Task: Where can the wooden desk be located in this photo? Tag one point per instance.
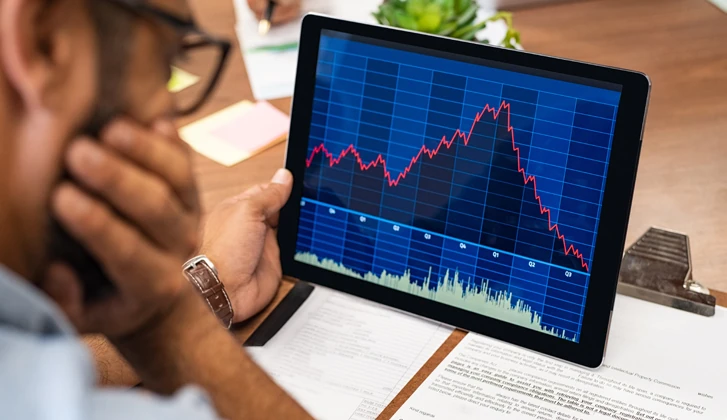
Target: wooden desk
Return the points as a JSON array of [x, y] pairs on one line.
[[682, 182]]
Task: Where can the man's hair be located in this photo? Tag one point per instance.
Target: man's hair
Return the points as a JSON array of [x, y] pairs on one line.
[[115, 29]]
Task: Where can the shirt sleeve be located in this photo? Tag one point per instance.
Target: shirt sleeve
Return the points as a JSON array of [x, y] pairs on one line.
[[52, 378], [189, 403]]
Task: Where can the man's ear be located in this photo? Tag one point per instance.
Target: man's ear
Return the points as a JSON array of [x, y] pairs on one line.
[[35, 49]]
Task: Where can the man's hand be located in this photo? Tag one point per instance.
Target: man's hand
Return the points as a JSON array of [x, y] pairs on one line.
[[239, 238], [141, 222], [136, 211], [285, 10]]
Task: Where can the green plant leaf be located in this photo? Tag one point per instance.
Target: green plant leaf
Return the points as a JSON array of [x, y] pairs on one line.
[[379, 17], [447, 7], [512, 39], [405, 21], [469, 32], [415, 8], [468, 16], [461, 5], [398, 4], [512, 36], [429, 22], [434, 8], [469, 21], [387, 13], [448, 11], [448, 28]]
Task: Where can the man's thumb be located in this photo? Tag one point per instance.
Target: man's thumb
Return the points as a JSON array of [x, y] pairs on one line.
[[277, 193], [283, 177]]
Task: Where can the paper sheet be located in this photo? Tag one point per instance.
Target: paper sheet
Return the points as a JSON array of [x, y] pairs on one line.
[[272, 74], [661, 363], [722, 4], [342, 357], [238, 132]]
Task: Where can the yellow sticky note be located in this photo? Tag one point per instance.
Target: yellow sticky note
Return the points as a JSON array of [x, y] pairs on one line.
[[181, 80], [237, 132]]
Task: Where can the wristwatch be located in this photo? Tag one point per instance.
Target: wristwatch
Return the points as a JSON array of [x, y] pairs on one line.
[[203, 275]]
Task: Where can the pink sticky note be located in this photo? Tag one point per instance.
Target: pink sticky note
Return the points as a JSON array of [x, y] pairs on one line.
[[255, 128], [237, 132]]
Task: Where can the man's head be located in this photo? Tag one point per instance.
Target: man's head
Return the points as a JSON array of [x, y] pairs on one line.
[[66, 68]]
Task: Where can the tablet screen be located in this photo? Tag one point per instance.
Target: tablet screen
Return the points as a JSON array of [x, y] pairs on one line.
[[468, 182]]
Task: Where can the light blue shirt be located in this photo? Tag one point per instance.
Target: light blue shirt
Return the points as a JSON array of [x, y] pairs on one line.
[[47, 373]]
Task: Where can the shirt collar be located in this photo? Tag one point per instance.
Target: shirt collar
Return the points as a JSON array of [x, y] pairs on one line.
[[25, 308]]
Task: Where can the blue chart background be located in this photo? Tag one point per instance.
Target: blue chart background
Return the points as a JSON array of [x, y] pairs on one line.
[[466, 209]]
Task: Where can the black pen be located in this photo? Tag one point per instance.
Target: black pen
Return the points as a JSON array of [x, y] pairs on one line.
[[265, 23]]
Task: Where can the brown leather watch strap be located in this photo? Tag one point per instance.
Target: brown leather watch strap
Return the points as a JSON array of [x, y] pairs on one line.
[[202, 273]]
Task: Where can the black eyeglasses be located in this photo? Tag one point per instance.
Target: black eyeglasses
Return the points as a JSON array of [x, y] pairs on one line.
[[201, 56]]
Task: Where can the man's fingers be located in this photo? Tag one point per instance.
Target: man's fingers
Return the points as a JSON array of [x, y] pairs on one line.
[[123, 252], [285, 14], [285, 10], [160, 151], [267, 200], [139, 195], [261, 5]]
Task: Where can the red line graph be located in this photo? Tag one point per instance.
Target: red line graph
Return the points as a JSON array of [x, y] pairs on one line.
[[465, 137]]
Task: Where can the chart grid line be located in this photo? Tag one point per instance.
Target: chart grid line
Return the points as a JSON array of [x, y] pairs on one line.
[[479, 188], [484, 80]]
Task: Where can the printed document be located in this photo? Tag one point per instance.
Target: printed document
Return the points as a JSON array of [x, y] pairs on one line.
[[342, 357], [661, 363]]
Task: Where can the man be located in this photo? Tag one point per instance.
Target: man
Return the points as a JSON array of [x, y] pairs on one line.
[[89, 161]]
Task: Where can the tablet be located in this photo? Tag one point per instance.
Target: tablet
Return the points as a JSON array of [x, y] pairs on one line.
[[478, 186]]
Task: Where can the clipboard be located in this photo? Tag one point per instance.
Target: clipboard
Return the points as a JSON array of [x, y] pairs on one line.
[[285, 310]]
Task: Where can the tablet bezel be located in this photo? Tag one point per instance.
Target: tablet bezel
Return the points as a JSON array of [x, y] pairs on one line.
[[611, 235]]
